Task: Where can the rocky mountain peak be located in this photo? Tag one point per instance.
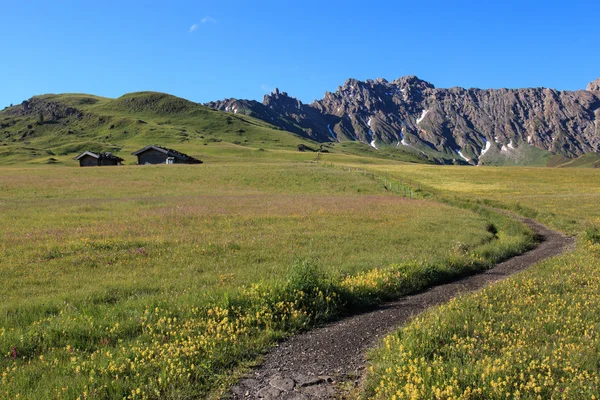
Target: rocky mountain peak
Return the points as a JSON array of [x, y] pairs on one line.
[[413, 81], [350, 83], [280, 100], [594, 86]]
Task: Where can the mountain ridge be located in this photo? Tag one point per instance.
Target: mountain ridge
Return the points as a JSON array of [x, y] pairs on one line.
[[475, 126], [405, 119]]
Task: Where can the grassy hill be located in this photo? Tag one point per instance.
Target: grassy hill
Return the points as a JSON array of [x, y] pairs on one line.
[[524, 155], [590, 160], [54, 128]]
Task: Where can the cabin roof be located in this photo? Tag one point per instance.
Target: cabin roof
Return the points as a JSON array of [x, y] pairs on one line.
[[101, 156], [168, 152], [87, 153]]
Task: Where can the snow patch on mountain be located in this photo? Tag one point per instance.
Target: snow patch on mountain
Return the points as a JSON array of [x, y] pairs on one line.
[[333, 135], [423, 114], [373, 145], [463, 156], [488, 145]]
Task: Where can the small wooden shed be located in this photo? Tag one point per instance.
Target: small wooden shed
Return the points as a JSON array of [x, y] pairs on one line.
[[90, 159], [161, 155]]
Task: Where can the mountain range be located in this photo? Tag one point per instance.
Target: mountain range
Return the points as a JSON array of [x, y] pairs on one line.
[[407, 119], [456, 125]]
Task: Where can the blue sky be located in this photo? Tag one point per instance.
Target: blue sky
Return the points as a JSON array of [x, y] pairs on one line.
[[209, 50]]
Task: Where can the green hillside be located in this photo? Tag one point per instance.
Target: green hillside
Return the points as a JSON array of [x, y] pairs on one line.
[[524, 155], [589, 160], [55, 128]]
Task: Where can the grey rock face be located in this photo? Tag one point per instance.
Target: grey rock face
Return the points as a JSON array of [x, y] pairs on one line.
[[37, 105], [452, 124], [594, 86]]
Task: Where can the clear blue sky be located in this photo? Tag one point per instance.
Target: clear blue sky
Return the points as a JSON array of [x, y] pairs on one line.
[[209, 50]]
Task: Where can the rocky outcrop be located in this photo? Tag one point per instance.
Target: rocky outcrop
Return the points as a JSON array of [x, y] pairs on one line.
[[283, 111], [50, 109], [594, 86], [462, 125]]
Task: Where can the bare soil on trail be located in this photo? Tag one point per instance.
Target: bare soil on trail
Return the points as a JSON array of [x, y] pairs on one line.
[[312, 364]]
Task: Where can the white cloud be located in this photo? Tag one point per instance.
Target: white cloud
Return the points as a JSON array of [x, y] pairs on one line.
[[266, 88], [205, 20], [208, 19]]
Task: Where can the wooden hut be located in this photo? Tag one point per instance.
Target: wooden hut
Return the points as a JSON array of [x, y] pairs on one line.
[[90, 159], [161, 155]]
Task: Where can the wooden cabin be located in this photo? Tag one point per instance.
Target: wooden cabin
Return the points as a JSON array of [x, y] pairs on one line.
[[90, 159], [161, 155]]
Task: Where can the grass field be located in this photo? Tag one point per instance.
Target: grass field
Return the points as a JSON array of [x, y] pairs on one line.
[[534, 336], [186, 226], [565, 199], [163, 282]]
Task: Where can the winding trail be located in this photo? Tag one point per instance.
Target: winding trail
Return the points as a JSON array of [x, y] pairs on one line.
[[309, 365]]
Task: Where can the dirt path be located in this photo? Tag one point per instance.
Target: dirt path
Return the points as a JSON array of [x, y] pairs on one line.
[[308, 366]]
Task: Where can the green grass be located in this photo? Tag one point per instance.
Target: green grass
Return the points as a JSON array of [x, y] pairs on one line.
[[565, 199], [531, 336], [206, 222], [169, 279], [590, 160]]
